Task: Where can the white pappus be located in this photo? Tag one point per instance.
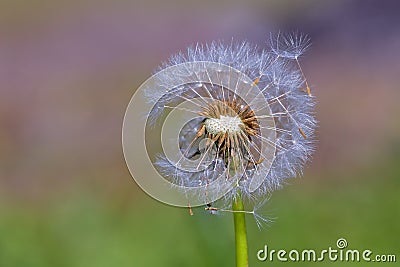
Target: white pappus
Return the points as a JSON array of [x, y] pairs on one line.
[[262, 129]]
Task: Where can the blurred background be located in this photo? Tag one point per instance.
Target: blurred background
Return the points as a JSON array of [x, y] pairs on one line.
[[67, 72]]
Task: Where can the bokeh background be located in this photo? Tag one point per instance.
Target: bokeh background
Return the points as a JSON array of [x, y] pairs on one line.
[[67, 72]]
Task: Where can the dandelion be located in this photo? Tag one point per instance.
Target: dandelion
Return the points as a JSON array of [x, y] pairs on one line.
[[247, 124]]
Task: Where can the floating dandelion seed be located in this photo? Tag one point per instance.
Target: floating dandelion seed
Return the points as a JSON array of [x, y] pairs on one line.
[[236, 121]]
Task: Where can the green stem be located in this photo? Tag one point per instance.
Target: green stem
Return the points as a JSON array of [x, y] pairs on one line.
[[240, 232]]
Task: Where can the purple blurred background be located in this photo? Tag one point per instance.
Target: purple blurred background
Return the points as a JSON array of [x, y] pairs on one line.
[[68, 70]]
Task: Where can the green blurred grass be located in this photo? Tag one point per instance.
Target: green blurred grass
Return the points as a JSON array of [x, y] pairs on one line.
[[89, 229]]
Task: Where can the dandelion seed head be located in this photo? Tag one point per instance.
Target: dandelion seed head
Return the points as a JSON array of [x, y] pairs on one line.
[[246, 113]]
